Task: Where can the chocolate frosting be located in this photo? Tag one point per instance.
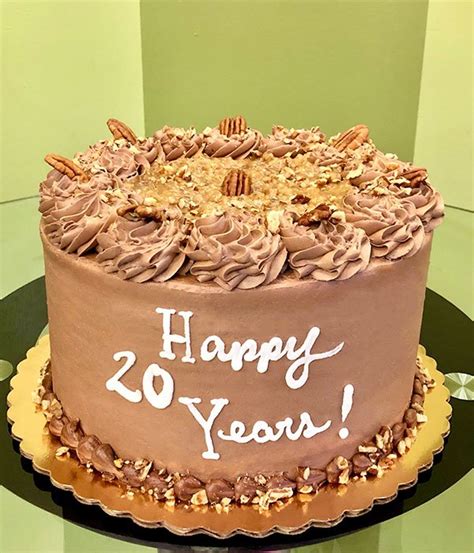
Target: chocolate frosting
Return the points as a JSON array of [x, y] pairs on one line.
[[428, 203], [142, 251], [55, 188], [369, 165], [327, 251], [122, 313], [224, 240], [102, 459], [73, 213], [234, 253], [86, 447], [218, 489], [392, 225], [284, 142], [140, 474], [71, 433], [279, 482], [186, 487], [310, 477], [120, 158], [177, 142], [56, 425], [156, 482], [237, 146], [247, 487]]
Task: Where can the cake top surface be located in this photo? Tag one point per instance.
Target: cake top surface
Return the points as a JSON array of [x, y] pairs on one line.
[[235, 207]]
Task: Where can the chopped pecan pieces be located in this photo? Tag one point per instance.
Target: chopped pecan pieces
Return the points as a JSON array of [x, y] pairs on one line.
[[140, 211], [320, 213], [300, 199], [233, 125], [338, 470], [309, 479], [66, 166], [352, 138], [415, 176], [236, 183], [120, 130]]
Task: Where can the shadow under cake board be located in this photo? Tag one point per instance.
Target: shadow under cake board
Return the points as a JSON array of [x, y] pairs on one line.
[[446, 334]]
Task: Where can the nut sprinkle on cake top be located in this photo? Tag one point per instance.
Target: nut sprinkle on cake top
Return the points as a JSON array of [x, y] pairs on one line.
[[235, 207]]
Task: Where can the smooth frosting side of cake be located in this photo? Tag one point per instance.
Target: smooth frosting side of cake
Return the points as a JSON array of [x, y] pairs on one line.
[[368, 330]]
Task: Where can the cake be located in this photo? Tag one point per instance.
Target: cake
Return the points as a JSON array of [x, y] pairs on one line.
[[234, 318]]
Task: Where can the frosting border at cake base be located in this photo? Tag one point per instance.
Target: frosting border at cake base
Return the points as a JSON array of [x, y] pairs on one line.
[[294, 516]]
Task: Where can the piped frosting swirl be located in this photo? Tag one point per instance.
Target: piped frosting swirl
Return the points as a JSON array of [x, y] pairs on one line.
[[121, 158], [179, 214], [392, 225], [142, 251], [290, 142], [177, 143], [327, 251], [428, 203], [75, 214], [234, 253], [236, 146]]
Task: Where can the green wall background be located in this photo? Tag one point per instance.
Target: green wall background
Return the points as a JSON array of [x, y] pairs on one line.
[[445, 117], [299, 63], [66, 67]]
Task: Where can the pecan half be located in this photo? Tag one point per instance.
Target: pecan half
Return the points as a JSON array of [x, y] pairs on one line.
[[66, 166], [236, 183], [233, 125], [320, 213], [120, 130], [415, 176], [352, 138]]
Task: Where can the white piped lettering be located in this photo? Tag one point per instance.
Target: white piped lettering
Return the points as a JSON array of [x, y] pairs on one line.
[[113, 384], [206, 424], [164, 398], [170, 339]]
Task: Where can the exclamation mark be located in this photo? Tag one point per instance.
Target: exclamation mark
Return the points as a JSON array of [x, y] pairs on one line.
[[346, 408]]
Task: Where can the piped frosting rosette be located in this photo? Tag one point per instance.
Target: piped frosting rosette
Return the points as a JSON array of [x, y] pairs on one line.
[[290, 142], [56, 187], [367, 165], [392, 225], [142, 251], [234, 253], [236, 146], [74, 213], [428, 202], [176, 142], [326, 251], [120, 158]]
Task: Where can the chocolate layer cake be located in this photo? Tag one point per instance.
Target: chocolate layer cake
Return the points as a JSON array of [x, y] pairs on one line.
[[235, 317]]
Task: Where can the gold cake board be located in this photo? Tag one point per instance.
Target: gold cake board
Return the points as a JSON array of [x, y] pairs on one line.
[[324, 509]]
